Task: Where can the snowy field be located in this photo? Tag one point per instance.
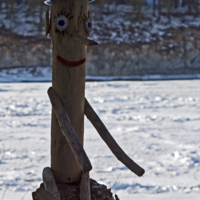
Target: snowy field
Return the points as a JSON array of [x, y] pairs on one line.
[[157, 123]]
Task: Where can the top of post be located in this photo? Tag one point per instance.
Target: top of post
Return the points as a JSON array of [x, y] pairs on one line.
[[48, 2]]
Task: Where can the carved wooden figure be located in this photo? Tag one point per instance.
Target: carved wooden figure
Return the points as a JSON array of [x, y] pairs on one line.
[[69, 26]]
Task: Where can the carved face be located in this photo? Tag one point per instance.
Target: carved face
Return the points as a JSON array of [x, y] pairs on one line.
[[69, 29], [62, 18]]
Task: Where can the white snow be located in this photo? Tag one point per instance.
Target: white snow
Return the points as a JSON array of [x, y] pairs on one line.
[[157, 123]]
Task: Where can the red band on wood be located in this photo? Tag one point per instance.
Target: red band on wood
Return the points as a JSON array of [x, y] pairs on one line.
[[70, 63]]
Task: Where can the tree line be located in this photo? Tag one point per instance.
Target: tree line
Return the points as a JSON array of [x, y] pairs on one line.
[[32, 11], [158, 7]]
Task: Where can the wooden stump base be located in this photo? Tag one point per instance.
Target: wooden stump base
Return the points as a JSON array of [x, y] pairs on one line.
[[72, 192]]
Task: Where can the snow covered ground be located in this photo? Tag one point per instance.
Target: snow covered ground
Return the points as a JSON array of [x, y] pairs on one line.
[[157, 123]]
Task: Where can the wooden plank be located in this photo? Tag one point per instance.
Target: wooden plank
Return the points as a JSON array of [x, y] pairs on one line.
[[109, 140], [49, 183], [85, 193], [68, 132]]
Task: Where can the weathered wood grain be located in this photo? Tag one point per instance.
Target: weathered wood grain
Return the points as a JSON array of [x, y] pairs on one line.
[[49, 183], [85, 193], [69, 84], [42, 194]]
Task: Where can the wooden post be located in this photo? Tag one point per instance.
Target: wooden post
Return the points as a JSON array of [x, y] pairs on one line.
[[69, 28]]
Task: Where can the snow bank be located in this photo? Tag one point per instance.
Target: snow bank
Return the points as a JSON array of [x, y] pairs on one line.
[[44, 74]]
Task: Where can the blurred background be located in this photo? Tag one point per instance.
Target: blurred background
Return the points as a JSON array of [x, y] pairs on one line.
[[136, 38]]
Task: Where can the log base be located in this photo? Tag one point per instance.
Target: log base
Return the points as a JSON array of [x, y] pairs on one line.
[[72, 192]]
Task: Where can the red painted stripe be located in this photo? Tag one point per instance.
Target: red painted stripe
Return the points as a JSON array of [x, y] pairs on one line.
[[70, 63]]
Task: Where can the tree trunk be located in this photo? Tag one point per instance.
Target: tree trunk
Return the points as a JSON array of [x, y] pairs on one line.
[[196, 8], [139, 8], [68, 81], [159, 10], [154, 8], [176, 3], [169, 10]]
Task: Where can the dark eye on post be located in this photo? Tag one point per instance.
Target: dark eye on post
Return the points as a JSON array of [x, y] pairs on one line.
[[62, 23], [88, 25]]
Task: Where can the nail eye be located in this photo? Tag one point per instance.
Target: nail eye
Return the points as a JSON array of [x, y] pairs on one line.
[[62, 23], [88, 25]]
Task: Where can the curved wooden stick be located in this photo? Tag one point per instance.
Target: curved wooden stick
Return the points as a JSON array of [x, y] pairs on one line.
[[109, 140], [68, 131]]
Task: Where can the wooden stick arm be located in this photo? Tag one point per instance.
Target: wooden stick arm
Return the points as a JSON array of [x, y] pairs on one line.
[[109, 140], [68, 131]]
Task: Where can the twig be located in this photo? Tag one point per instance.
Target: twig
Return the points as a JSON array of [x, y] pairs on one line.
[[116, 181], [4, 193], [3, 153], [24, 195], [106, 190]]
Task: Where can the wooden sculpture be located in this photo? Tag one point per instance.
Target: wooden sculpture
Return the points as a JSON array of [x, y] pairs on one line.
[[69, 27]]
